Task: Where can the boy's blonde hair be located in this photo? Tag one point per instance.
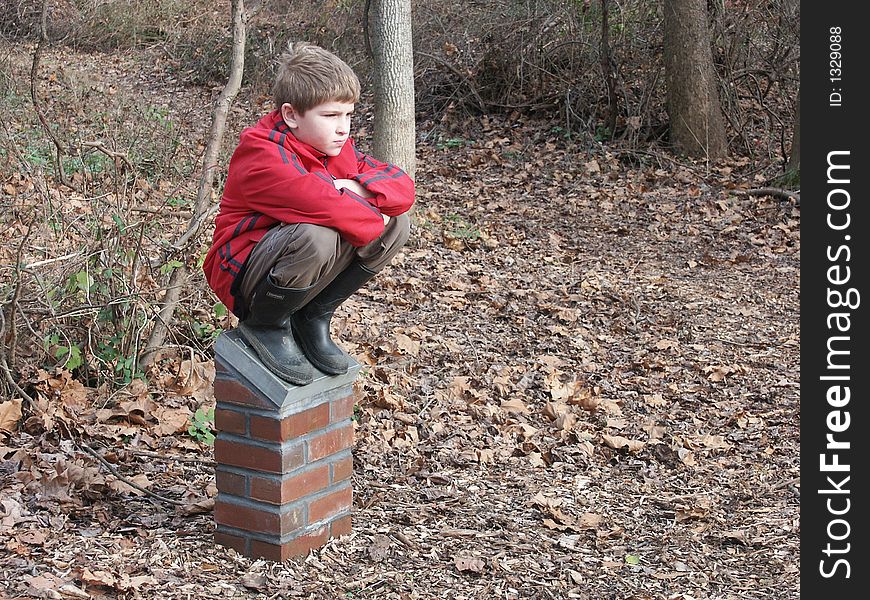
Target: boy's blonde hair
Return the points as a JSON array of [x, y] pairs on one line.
[[308, 75]]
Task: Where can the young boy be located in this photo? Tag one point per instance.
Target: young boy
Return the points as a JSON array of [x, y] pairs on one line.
[[305, 219]]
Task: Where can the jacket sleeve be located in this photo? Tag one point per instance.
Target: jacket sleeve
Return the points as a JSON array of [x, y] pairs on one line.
[[286, 191], [393, 189]]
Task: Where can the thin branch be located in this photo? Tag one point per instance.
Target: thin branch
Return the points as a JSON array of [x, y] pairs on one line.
[[772, 191], [120, 477], [367, 10], [16, 294], [48, 261], [193, 231], [202, 210], [463, 76], [115, 156], [184, 459], [7, 372], [34, 72]]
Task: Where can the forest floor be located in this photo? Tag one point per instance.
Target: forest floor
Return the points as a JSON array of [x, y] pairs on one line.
[[581, 380]]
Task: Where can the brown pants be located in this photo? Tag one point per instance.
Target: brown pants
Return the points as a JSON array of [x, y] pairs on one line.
[[301, 255]]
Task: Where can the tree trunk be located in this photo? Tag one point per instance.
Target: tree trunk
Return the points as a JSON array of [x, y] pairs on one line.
[[607, 71], [394, 127], [696, 121], [794, 161]]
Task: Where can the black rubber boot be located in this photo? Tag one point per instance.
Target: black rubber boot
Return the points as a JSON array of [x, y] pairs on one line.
[[268, 330], [311, 322]]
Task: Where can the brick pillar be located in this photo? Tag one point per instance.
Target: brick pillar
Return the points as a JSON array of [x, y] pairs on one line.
[[283, 456]]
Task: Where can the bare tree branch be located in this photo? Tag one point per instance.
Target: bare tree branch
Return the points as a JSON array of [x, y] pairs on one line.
[[7, 372], [773, 192], [34, 96], [202, 209], [120, 477]]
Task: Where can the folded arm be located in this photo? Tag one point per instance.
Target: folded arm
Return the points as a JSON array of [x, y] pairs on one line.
[[392, 190], [293, 195]]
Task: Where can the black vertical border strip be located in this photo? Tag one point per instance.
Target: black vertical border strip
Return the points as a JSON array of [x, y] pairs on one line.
[[829, 125]]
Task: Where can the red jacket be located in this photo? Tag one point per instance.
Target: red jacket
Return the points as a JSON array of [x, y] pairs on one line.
[[273, 177]]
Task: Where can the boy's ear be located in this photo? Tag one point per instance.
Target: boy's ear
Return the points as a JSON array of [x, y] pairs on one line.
[[288, 114]]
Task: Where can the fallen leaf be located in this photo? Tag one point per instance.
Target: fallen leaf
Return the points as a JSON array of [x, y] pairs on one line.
[[33, 537], [515, 406], [576, 393], [69, 590], [407, 345], [194, 378], [44, 586], [196, 507], [736, 536], [666, 344], [618, 442], [654, 399], [11, 513], [100, 578], [469, 563], [254, 581], [589, 521], [380, 548], [10, 414], [171, 420], [715, 442], [122, 487]]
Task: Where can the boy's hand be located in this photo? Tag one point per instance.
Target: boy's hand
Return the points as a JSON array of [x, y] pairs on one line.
[[358, 189], [353, 186]]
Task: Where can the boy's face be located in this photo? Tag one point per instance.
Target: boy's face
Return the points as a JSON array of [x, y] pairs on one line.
[[326, 126]]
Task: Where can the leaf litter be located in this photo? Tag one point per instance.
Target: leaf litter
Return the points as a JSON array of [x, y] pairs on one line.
[[580, 381]]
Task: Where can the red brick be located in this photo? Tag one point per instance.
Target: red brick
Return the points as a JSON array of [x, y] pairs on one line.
[[341, 526], [292, 488], [258, 458], [342, 409], [237, 543], [342, 469], [252, 519], [269, 551], [330, 442], [292, 426], [230, 483], [298, 546], [230, 421], [233, 391], [331, 504]]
